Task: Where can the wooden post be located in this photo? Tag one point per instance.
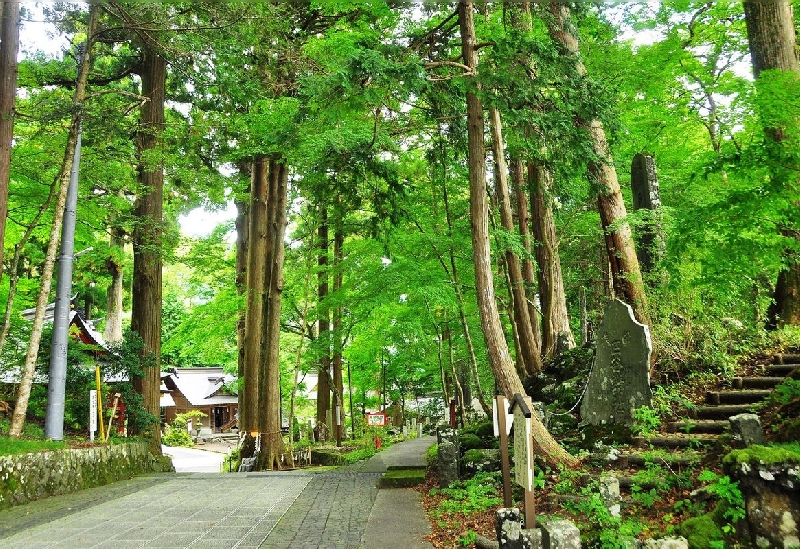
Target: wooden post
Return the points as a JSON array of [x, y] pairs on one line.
[[502, 410]]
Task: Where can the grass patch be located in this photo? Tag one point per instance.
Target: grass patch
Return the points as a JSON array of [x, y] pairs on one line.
[[12, 445]]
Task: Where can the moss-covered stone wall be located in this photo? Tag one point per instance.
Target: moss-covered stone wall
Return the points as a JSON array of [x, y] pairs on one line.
[[28, 477]]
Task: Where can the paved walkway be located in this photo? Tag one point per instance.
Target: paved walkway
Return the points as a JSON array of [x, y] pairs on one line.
[[293, 509]]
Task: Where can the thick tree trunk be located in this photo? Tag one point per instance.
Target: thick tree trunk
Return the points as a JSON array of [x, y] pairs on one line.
[[620, 248], [9, 44], [323, 326], [256, 267], [148, 233], [771, 34], [113, 328], [555, 319], [528, 347], [499, 356], [24, 392], [270, 396]]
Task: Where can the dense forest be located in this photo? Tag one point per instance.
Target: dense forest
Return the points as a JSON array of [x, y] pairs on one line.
[[432, 200]]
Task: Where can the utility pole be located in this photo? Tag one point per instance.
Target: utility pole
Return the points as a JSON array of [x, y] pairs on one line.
[[56, 386]]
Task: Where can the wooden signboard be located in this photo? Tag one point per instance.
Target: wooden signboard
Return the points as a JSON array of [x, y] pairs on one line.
[[376, 420]]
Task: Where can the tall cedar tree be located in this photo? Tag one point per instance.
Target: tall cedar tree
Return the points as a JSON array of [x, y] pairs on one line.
[[499, 356], [770, 31], [9, 44]]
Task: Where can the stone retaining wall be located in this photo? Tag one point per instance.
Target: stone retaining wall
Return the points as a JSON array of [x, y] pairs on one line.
[[28, 477]]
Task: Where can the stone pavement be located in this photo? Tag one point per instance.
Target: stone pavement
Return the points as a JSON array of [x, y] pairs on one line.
[[293, 509]]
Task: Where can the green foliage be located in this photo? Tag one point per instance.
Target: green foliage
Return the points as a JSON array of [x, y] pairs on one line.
[[479, 493], [729, 495], [14, 445], [432, 455], [788, 453], [468, 441], [646, 422], [178, 434]]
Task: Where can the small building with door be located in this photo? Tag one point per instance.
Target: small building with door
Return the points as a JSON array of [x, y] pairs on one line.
[[207, 389]]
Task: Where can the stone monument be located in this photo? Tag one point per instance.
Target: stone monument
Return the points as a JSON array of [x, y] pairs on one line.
[[619, 382]]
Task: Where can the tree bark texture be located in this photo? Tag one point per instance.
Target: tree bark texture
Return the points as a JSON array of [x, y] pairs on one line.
[[771, 35], [24, 392], [9, 44], [555, 319], [242, 224], [148, 233], [270, 395], [497, 347], [620, 248], [113, 329], [530, 355], [256, 268]]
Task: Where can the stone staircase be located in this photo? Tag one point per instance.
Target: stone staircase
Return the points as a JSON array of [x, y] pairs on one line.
[[687, 442]]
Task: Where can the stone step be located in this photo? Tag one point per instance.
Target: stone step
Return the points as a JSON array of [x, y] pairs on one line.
[[786, 358], [676, 440], [681, 459], [781, 369], [761, 382], [746, 396], [698, 426], [722, 411]]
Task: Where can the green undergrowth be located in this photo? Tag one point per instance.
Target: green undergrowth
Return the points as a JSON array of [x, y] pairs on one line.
[[767, 455], [11, 445]]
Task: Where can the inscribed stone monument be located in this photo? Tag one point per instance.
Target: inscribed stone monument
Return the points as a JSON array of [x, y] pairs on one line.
[[619, 382]]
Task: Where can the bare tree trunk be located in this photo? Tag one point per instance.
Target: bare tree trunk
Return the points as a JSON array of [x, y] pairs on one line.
[[499, 356], [147, 235], [113, 328], [256, 268], [270, 398], [620, 249], [9, 44], [771, 34], [24, 392], [555, 319], [527, 341]]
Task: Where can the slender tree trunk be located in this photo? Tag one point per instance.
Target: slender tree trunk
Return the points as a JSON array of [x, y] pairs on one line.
[[338, 378], [499, 356], [148, 233], [256, 257], [24, 392], [9, 44], [555, 319], [773, 46], [270, 398], [298, 359], [620, 249], [323, 323], [113, 329], [528, 344], [524, 223], [456, 283]]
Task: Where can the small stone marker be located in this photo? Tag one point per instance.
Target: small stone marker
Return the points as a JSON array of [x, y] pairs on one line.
[[560, 534], [620, 379], [747, 429]]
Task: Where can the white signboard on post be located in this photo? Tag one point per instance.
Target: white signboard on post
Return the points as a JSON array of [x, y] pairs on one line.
[[92, 413], [523, 453]]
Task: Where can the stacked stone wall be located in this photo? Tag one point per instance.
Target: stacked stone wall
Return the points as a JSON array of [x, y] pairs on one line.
[[28, 477]]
